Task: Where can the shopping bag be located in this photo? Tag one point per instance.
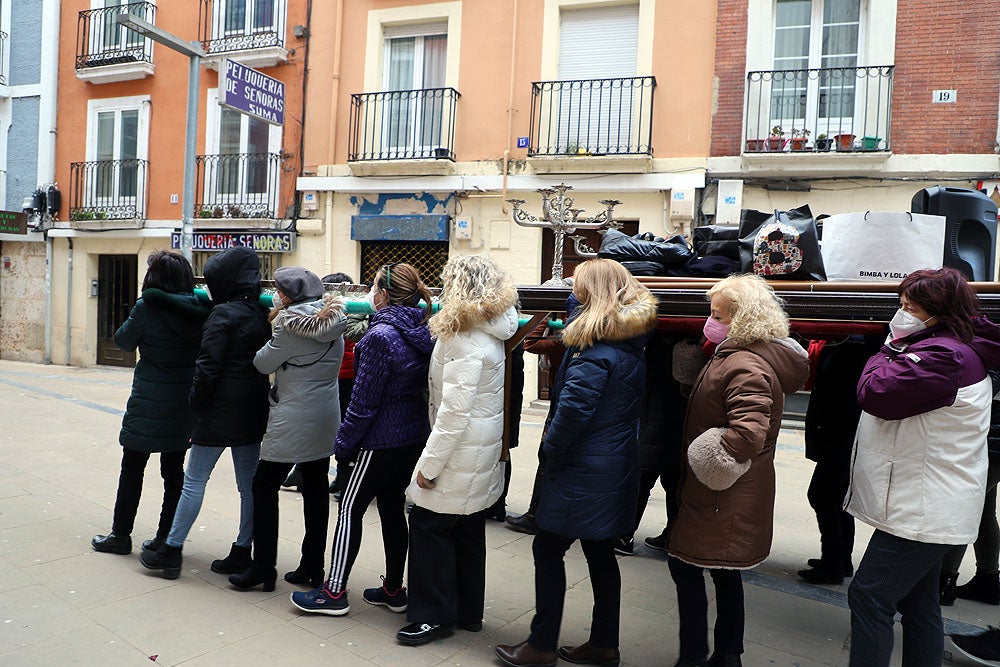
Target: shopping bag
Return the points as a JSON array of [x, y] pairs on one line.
[[782, 244], [881, 245], [717, 240]]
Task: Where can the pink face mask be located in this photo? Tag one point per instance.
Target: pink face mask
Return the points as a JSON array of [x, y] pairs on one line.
[[715, 330]]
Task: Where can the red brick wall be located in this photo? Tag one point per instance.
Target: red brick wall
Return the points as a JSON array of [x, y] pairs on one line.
[[945, 45], [730, 73]]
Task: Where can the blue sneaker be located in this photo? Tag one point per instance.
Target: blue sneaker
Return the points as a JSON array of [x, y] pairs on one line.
[[395, 600], [322, 601]]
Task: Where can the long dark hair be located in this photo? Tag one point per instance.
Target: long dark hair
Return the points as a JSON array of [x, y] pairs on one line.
[[403, 285], [169, 272], [945, 294]]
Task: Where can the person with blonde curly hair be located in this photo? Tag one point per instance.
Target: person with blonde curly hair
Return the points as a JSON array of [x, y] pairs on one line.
[[725, 517], [591, 480], [459, 473]]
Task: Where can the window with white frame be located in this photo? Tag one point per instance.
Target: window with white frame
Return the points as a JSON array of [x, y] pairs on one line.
[[414, 58], [107, 36], [245, 24], [814, 35], [242, 165], [117, 150]]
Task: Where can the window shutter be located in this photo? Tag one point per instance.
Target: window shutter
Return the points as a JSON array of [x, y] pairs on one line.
[[598, 42], [415, 29]]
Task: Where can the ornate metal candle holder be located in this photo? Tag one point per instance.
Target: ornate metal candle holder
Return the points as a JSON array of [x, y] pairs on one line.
[[559, 215]]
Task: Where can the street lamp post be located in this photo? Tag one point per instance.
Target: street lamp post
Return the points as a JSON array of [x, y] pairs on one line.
[[193, 51]]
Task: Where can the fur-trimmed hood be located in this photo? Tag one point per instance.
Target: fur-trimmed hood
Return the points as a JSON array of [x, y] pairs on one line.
[[634, 319], [313, 319], [454, 318]]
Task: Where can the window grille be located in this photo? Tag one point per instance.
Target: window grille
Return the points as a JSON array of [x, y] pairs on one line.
[[428, 257]]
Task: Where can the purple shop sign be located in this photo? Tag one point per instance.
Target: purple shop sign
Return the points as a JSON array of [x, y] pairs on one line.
[[246, 90]]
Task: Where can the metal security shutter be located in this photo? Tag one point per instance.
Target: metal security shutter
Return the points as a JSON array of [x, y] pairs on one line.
[[598, 49], [598, 42]]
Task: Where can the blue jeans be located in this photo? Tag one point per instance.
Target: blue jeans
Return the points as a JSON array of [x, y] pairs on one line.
[[902, 575], [201, 461]]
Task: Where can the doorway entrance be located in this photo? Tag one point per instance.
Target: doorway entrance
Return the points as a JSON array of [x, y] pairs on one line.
[[116, 294]]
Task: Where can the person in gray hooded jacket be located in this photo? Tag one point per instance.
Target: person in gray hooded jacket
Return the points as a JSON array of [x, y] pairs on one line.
[[304, 353]]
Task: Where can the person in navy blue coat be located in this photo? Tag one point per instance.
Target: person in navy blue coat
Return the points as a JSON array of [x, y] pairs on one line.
[[591, 477]]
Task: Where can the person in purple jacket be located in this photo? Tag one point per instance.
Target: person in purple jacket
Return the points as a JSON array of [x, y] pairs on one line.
[[919, 470], [386, 427]]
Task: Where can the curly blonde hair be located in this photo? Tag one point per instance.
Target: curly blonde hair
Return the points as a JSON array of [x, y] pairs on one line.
[[614, 306], [756, 311], [475, 289]]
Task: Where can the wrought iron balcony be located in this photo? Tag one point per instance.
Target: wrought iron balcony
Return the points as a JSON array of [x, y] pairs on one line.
[[242, 25], [834, 108], [240, 185], [592, 117], [100, 41], [403, 125], [108, 190]]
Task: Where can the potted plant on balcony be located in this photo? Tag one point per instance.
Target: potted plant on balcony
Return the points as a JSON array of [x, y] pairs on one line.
[[234, 211], [776, 141], [799, 139], [823, 143], [205, 213], [870, 143], [218, 212], [100, 215], [756, 145], [845, 142]]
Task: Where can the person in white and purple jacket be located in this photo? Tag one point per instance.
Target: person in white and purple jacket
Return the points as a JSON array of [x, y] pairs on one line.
[[919, 469]]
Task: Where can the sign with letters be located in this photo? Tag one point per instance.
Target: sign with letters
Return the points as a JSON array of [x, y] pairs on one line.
[[220, 240], [13, 222], [246, 90]]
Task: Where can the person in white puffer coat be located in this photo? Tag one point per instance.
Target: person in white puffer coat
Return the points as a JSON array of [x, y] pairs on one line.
[[459, 473]]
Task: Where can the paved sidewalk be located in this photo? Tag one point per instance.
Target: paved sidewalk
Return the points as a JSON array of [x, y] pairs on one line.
[[61, 603]]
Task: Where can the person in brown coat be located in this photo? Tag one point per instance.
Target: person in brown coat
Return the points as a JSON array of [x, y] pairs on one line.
[[726, 498]]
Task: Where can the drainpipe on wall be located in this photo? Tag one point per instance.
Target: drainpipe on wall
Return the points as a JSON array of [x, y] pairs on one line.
[[48, 300], [69, 296], [332, 143], [510, 109]]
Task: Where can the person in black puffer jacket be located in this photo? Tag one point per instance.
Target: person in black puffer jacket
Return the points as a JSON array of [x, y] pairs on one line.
[[229, 400], [165, 325]]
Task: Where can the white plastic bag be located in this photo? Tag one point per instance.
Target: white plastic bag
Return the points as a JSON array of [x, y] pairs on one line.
[[881, 246]]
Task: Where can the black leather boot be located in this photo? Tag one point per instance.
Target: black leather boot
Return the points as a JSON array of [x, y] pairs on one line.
[[237, 561], [982, 587], [166, 558], [112, 544], [254, 576]]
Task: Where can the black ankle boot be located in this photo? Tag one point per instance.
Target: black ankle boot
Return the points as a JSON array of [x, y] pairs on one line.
[[237, 561], [254, 576], [305, 576], [166, 558], [982, 587], [112, 544]]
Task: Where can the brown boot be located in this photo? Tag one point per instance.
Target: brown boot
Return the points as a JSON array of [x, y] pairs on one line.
[[585, 654], [525, 655]]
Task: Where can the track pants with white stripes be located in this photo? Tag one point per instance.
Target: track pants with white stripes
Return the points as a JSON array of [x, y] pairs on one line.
[[383, 476]]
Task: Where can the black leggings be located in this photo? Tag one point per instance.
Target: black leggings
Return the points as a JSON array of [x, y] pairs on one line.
[[315, 511], [692, 604], [549, 551], [382, 476], [130, 489]]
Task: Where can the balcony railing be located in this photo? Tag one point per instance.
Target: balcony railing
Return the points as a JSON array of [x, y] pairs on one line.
[[241, 185], [101, 41], [842, 108], [403, 125], [241, 25], [108, 190], [592, 117]]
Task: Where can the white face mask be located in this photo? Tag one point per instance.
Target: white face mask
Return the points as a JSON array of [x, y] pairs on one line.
[[371, 298], [903, 324]]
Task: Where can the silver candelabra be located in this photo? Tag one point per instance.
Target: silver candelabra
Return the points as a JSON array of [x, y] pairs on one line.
[[559, 215]]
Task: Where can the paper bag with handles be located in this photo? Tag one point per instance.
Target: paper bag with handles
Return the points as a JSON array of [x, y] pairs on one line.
[[881, 246]]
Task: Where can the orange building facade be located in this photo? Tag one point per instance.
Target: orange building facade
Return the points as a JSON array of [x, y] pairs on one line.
[[120, 153]]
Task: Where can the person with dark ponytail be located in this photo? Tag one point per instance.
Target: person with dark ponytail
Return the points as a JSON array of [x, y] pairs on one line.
[[165, 325], [386, 427]]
